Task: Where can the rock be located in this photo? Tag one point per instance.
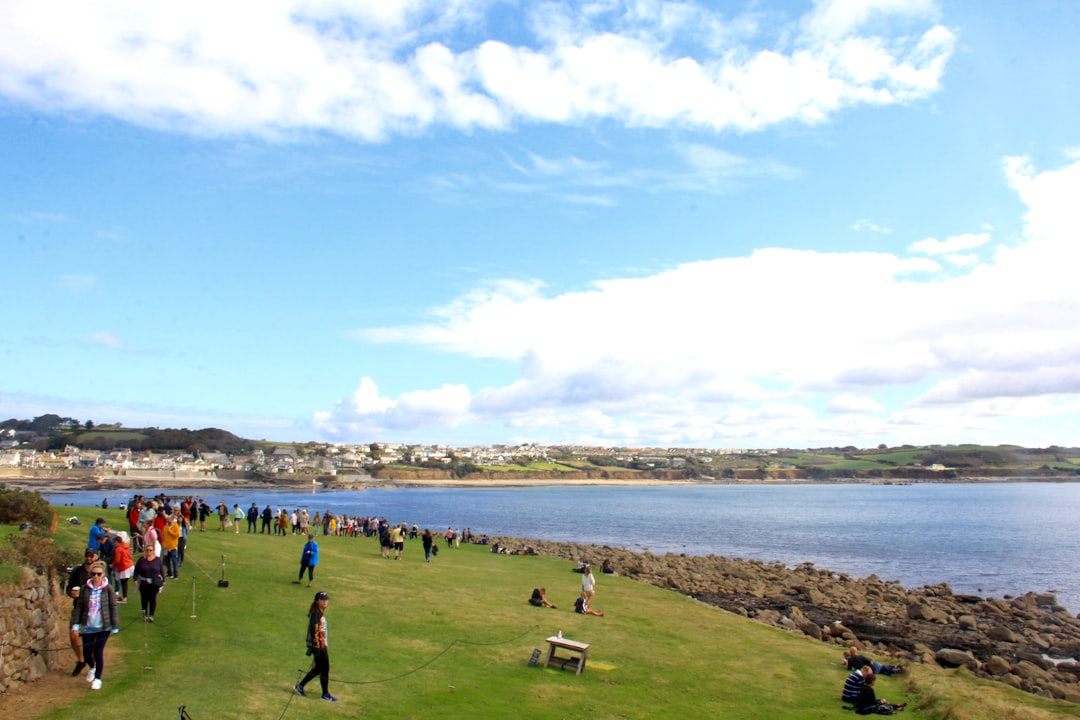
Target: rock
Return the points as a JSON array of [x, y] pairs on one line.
[[967, 622], [808, 627], [951, 657], [1030, 671], [998, 665], [922, 611], [1002, 634], [1036, 659], [1012, 680]]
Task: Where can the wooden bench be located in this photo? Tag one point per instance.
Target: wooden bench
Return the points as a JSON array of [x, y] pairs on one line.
[[579, 651]]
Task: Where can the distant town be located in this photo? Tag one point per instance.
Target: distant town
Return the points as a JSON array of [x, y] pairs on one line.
[[51, 445]]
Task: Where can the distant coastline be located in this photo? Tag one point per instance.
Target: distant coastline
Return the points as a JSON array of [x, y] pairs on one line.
[[53, 482]]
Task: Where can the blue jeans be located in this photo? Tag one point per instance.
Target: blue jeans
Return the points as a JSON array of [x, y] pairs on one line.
[[169, 561]]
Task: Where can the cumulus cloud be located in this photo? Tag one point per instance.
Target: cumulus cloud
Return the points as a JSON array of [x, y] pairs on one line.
[[712, 352], [372, 69]]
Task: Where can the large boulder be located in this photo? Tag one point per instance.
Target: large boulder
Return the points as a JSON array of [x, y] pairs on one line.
[[1030, 671], [951, 657], [998, 665], [1000, 633], [923, 611]]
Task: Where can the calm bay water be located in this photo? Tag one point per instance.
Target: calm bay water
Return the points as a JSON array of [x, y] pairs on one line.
[[986, 539]]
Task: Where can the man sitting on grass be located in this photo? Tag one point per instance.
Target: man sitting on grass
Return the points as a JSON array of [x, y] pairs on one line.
[[859, 691]]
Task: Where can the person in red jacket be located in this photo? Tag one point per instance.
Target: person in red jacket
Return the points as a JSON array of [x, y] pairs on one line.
[[123, 565]]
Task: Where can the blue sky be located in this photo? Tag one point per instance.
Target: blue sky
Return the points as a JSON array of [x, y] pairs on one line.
[[732, 225]]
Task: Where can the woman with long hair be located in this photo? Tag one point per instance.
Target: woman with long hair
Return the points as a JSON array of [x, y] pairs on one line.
[[317, 648], [94, 617]]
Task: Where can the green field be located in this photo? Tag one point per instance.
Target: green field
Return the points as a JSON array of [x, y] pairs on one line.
[[452, 639]]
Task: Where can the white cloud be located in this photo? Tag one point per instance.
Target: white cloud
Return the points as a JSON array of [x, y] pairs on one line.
[[718, 351], [373, 69], [951, 245], [864, 225], [367, 413]]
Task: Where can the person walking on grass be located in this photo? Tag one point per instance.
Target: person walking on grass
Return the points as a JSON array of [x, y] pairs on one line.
[[124, 566], [397, 540], [429, 543], [95, 617], [151, 578], [309, 558], [317, 648], [78, 578]]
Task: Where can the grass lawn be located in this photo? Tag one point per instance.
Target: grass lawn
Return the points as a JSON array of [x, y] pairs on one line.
[[452, 639]]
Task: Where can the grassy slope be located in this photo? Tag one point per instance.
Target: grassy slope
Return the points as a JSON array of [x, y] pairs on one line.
[[452, 640]]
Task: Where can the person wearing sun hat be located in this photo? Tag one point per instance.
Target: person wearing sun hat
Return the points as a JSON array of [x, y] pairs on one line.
[[317, 648]]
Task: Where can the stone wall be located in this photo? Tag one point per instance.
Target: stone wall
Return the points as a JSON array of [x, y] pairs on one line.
[[32, 615]]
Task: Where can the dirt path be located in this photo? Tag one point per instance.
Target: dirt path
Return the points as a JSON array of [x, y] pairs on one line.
[[55, 690]]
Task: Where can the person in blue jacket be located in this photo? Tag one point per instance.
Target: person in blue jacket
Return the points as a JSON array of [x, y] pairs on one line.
[[309, 558]]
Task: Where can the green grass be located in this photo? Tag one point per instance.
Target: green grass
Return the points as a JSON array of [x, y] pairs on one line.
[[537, 466], [452, 640]]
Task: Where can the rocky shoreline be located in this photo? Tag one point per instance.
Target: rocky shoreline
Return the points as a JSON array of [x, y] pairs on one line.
[[1029, 642]]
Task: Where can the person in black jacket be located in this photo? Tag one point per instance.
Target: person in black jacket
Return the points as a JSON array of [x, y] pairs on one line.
[[80, 574], [94, 617], [252, 517], [317, 648], [267, 516], [150, 575]]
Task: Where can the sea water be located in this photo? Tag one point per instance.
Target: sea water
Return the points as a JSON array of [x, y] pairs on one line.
[[989, 539]]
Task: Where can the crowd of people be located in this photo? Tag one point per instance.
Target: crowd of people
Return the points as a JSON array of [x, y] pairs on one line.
[[158, 533], [151, 551]]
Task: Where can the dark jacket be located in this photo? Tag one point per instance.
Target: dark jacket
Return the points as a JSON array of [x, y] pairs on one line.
[[110, 618]]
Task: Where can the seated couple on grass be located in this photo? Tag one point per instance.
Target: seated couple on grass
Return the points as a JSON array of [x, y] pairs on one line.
[[859, 691]]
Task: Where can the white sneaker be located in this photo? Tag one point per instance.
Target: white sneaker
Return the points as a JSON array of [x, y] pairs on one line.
[[96, 685], [90, 675]]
